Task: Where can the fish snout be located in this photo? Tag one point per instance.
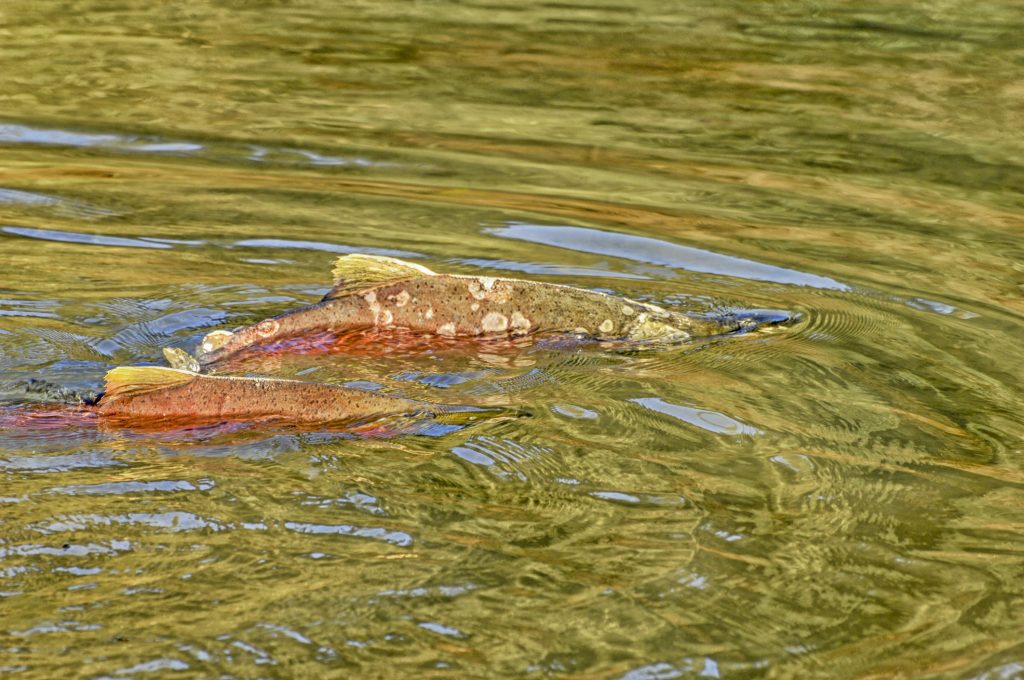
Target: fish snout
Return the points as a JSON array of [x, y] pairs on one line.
[[747, 320], [463, 415]]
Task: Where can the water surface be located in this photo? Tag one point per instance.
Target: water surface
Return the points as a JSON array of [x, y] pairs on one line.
[[837, 498]]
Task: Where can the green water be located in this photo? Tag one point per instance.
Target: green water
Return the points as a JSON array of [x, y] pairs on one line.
[[841, 498]]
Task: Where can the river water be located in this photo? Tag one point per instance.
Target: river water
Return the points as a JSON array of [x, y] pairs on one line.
[[840, 497]]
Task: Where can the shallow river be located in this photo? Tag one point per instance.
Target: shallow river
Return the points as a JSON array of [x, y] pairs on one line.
[[840, 497]]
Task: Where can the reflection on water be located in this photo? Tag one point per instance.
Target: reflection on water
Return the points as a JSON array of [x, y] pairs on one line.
[[656, 251], [75, 237], [834, 497]]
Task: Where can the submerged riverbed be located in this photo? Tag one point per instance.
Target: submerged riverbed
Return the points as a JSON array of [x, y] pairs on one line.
[[840, 497]]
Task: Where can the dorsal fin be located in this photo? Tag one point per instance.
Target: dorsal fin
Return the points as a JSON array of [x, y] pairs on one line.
[[130, 381], [357, 272]]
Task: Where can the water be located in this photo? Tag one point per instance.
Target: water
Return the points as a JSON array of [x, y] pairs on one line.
[[838, 498]]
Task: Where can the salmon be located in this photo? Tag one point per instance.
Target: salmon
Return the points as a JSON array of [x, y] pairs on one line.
[[386, 293], [148, 393]]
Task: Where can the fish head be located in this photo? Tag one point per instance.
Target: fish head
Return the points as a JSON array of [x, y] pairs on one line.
[[747, 320], [655, 323], [656, 329]]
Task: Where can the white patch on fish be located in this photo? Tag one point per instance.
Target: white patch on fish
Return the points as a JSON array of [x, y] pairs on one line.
[[494, 323], [386, 317], [371, 301], [475, 306], [627, 310], [430, 313], [401, 299], [606, 326], [581, 330], [489, 288], [520, 324], [215, 340], [476, 289], [447, 330], [267, 327]]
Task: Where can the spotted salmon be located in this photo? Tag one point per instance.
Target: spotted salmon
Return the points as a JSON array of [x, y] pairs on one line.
[[386, 293], [147, 393]]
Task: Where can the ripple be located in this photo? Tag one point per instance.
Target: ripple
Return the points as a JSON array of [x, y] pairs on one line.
[[65, 463], [173, 521], [656, 251], [845, 318], [65, 236], [399, 538], [14, 133], [326, 247], [40, 309], [712, 421], [133, 487], [142, 338], [154, 666], [539, 269], [22, 134], [61, 205], [508, 458]]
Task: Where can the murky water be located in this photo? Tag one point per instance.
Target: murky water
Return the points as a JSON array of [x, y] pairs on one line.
[[838, 498]]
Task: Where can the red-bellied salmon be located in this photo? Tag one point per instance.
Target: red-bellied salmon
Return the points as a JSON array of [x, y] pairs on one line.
[[386, 293]]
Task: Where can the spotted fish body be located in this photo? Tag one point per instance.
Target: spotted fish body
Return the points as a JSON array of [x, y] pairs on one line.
[[146, 393], [385, 293]]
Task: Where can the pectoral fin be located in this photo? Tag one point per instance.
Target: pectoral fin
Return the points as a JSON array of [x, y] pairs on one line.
[[128, 381], [180, 359], [354, 273]]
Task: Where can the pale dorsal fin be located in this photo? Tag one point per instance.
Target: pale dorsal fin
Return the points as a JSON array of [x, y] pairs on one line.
[[357, 272], [129, 381]]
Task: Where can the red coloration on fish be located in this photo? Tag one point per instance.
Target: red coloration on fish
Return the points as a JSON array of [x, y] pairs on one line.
[[152, 398], [141, 393], [391, 295]]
